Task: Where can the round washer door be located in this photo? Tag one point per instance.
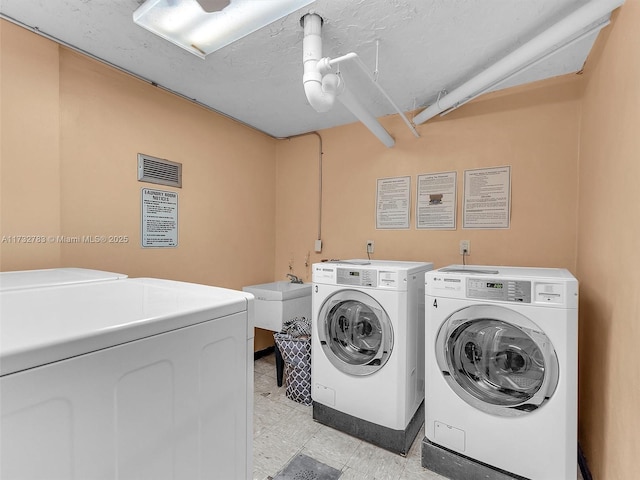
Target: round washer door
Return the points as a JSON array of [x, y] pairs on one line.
[[497, 360], [355, 332]]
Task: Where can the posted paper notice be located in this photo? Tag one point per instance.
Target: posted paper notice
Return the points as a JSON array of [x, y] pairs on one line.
[[436, 204], [487, 198], [159, 218], [393, 200]]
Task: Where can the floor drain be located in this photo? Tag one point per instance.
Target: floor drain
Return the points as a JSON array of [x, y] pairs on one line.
[[303, 467], [305, 475]]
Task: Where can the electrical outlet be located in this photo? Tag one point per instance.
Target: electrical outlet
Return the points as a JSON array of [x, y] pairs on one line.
[[370, 246], [465, 247]]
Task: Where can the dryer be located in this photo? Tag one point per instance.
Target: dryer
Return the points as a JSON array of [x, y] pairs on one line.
[[130, 379], [21, 279], [367, 350], [501, 360]]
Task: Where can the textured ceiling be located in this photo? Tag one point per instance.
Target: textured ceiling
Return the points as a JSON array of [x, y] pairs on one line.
[[425, 46]]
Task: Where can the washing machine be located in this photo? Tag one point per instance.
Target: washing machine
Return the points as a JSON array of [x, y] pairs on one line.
[[367, 349], [131, 379], [501, 357]]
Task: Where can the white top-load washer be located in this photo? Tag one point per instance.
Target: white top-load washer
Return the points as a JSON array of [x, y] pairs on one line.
[[367, 350], [501, 367], [129, 379], [21, 279]]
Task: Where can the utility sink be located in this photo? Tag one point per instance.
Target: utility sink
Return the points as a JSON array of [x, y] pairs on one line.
[[277, 302]]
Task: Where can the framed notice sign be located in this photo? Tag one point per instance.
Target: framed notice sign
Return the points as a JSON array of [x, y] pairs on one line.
[[487, 198], [393, 198], [159, 218], [436, 205]]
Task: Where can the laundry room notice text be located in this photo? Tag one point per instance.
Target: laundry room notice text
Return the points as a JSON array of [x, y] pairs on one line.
[[159, 218], [436, 201], [487, 198], [393, 198]]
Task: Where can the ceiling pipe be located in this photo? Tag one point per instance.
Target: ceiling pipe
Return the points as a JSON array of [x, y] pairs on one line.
[[369, 121], [322, 87], [589, 32], [552, 38], [354, 56]]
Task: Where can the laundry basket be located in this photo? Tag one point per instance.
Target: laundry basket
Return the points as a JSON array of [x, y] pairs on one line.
[[294, 343]]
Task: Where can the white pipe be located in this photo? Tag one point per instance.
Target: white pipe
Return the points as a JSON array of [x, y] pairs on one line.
[[526, 67], [321, 94], [557, 34], [397, 109], [322, 87], [369, 121], [334, 61], [354, 56]]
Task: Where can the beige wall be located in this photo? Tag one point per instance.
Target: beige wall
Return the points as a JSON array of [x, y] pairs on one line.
[[565, 144], [608, 251], [71, 132], [226, 206], [29, 149], [71, 129], [535, 130]]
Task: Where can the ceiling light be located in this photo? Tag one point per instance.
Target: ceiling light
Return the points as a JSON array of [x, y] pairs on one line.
[[204, 26]]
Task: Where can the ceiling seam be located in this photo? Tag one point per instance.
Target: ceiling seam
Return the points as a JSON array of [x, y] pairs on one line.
[[39, 32]]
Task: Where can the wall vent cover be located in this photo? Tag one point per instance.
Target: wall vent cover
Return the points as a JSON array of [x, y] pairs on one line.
[[159, 170]]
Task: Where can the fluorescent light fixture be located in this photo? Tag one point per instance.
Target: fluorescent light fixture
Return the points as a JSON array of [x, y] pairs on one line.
[[188, 25]]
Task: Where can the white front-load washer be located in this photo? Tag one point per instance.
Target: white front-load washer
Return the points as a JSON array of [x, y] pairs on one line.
[[130, 379], [367, 350], [501, 371]]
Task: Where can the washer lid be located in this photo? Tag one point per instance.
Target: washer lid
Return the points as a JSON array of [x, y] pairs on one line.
[[39, 326], [54, 276], [497, 360]]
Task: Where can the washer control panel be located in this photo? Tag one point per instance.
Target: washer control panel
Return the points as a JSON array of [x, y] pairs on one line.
[[384, 275], [360, 277], [500, 290]]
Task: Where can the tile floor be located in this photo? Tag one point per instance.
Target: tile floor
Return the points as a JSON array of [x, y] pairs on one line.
[[283, 428]]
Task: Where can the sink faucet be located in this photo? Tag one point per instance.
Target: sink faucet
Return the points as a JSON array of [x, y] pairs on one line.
[[293, 278]]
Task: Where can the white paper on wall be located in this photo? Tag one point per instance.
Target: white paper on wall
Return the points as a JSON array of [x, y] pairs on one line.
[[159, 226], [487, 198], [436, 204], [393, 201]]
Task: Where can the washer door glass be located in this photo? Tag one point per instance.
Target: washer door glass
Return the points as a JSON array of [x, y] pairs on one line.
[[497, 360], [355, 332]]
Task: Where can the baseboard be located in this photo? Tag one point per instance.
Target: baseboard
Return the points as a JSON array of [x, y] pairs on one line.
[[263, 353]]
